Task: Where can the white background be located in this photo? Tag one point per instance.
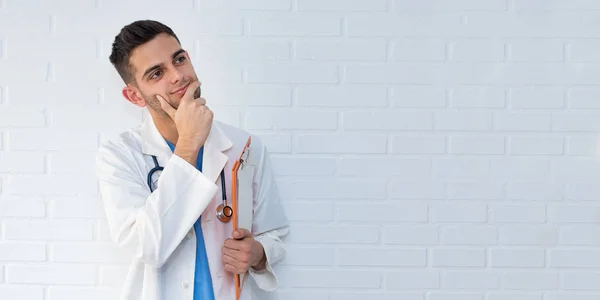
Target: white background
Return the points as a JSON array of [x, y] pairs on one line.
[[425, 150]]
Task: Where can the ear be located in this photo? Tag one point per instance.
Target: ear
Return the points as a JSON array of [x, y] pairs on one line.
[[132, 95]]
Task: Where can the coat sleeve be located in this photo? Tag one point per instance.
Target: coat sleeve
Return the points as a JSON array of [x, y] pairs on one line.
[[150, 225], [270, 223]]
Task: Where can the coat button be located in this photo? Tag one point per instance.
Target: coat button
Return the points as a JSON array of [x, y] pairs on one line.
[[185, 284]]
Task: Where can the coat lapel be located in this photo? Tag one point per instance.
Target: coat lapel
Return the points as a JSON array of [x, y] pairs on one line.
[[213, 160], [152, 141]]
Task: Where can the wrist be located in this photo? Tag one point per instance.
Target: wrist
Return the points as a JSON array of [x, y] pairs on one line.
[[260, 263], [187, 150], [189, 143]]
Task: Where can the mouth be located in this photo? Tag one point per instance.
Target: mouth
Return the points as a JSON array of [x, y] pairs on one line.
[[181, 90]]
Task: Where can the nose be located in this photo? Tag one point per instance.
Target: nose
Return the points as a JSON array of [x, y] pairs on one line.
[[176, 75]]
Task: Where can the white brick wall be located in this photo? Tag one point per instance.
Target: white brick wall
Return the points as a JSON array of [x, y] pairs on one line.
[[425, 150]]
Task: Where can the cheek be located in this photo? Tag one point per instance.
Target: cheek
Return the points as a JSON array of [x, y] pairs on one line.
[[150, 93], [150, 99], [189, 71]]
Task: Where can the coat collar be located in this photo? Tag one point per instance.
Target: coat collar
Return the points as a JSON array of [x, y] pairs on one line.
[[213, 159]]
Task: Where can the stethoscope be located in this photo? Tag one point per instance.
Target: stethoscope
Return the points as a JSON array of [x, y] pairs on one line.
[[224, 211]]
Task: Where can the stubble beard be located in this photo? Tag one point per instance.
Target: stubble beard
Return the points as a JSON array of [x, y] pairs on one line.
[[154, 104]]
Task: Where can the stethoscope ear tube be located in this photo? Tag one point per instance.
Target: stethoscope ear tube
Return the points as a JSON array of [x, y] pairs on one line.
[[156, 168]]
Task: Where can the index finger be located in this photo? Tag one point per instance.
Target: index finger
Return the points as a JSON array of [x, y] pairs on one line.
[[170, 110], [241, 233]]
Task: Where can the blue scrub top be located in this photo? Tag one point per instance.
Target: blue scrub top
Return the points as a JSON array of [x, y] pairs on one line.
[[203, 289]]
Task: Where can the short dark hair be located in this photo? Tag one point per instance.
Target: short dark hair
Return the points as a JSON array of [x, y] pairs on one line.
[[130, 37]]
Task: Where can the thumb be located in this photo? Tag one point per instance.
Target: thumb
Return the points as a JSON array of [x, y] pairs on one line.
[[241, 233], [170, 110]]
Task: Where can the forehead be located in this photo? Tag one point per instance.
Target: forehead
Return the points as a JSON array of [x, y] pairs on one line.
[[156, 51]]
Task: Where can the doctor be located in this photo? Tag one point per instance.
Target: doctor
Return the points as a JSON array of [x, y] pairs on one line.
[[167, 222]]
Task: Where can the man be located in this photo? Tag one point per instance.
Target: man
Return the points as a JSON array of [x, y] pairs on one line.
[[167, 221]]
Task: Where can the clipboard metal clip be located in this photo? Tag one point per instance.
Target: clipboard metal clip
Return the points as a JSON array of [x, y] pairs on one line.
[[244, 158]]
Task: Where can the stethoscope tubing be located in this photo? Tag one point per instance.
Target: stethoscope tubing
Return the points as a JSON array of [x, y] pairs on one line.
[[224, 211]]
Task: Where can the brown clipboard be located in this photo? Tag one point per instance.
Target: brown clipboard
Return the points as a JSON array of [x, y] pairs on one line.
[[234, 202]]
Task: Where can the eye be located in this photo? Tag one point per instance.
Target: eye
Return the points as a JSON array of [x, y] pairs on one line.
[[155, 74], [180, 59]]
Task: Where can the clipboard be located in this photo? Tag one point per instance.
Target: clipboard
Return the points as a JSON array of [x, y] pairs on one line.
[[242, 200]]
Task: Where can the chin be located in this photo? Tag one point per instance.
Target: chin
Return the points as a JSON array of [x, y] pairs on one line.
[[175, 103]]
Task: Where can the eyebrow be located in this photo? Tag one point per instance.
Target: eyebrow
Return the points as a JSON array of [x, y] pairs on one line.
[[149, 70]]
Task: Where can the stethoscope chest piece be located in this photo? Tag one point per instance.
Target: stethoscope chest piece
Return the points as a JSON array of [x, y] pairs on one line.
[[224, 213]]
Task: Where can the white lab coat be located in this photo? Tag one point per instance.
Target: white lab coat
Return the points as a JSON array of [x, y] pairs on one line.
[[157, 228]]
